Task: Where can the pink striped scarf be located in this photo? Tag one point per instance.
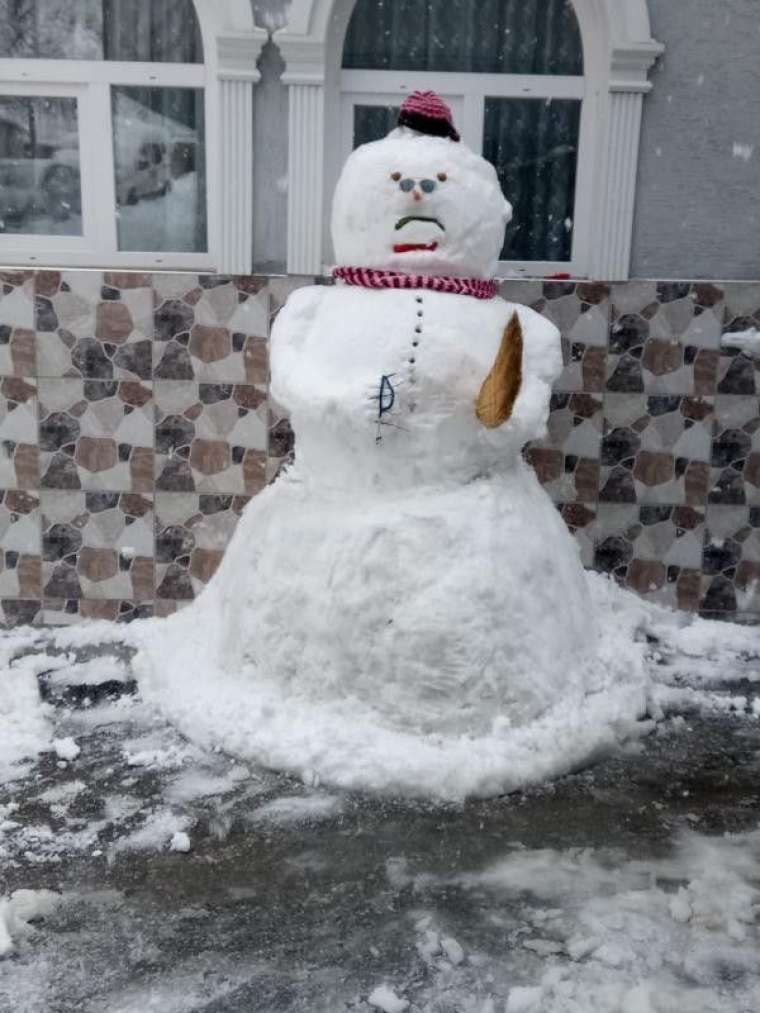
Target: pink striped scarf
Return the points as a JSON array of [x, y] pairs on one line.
[[368, 277]]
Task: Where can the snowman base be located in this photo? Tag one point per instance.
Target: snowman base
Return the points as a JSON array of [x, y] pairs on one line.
[[439, 642]]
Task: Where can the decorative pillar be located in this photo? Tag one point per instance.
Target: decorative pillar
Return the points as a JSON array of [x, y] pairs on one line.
[[237, 73], [611, 258], [305, 78]]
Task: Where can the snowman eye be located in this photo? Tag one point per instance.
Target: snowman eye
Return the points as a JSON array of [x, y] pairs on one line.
[[395, 176], [442, 177]]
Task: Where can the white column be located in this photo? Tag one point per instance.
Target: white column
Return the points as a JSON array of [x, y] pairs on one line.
[[236, 176], [236, 75], [306, 178], [611, 258]]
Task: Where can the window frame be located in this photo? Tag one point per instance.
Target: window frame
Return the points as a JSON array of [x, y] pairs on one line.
[[98, 245], [231, 47], [467, 93], [618, 53]]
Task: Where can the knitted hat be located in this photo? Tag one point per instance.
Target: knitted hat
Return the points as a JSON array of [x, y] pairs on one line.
[[427, 113]]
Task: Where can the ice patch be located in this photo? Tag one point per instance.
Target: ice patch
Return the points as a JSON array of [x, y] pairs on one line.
[[294, 809]]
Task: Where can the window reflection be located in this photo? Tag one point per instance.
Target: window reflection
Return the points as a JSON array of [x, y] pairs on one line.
[[159, 158], [371, 123], [534, 145], [40, 190], [160, 31], [477, 36]]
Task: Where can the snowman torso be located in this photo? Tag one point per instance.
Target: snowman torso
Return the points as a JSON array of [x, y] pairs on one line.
[[340, 353]]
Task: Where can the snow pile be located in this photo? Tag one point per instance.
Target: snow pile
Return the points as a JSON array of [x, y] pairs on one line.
[[18, 911], [585, 931], [24, 730]]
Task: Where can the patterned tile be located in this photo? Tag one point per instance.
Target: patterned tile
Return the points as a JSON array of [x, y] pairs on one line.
[[210, 438], [94, 325], [15, 612], [192, 533], [68, 611], [211, 328], [581, 522], [581, 312], [96, 434], [281, 441], [17, 324], [164, 607], [19, 456], [737, 372], [567, 461], [20, 559], [97, 545], [731, 561], [656, 449], [735, 472], [664, 338], [655, 550]]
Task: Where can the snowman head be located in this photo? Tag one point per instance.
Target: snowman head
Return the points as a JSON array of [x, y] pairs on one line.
[[420, 201]]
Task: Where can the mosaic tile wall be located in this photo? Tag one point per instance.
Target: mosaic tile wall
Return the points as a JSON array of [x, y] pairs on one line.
[[135, 425]]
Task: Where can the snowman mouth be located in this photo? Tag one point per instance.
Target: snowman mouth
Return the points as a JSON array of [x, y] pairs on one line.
[[417, 218], [413, 247], [416, 247]]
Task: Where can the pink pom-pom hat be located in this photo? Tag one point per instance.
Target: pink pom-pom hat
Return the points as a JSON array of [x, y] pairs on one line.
[[427, 113]]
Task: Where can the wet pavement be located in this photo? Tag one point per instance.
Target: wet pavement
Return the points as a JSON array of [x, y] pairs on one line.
[[298, 898]]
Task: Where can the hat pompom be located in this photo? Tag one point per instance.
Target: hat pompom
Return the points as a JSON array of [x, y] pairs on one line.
[[427, 113]]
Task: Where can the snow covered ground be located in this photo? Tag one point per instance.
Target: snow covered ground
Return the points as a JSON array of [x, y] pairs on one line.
[[633, 887], [141, 870]]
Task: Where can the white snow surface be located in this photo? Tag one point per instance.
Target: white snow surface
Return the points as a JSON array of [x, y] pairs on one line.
[[384, 998]]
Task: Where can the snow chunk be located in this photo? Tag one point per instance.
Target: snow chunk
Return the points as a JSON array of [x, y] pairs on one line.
[[179, 842], [453, 950], [743, 151], [748, 341], [18, 910], [524, 1000], [66, 749], [385, 999]]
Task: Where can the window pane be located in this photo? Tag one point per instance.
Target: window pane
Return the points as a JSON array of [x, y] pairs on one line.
[[162, 31], [371, 123], [159, 156], [39, 167], [534, 145], [481, 36]]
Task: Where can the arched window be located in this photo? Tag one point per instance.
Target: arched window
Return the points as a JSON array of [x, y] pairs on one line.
[[107, 108], [512, 70], [549, 90]]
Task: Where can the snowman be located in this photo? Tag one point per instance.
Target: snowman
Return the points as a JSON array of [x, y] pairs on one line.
[[406, 580]]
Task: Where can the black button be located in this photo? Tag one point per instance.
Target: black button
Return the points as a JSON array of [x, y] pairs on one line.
[[415, 343], [419, 313], [412, 361], [418, 330], [419, 298]]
